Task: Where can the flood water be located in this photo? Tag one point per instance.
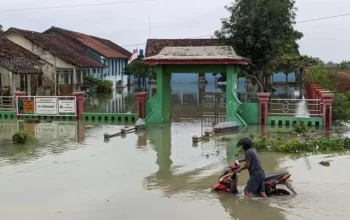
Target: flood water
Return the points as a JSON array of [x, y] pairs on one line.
[[71, 173]]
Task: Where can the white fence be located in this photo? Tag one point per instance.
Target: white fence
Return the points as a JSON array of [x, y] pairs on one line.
[[46, 105], [6, 103], [295, 107]]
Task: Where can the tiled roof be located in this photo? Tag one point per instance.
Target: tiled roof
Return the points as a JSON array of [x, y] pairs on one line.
[[18, 60], [103, 47], [154, 46], [60, 49]]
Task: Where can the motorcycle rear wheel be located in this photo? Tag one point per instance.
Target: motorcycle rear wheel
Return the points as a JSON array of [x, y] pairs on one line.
[[281, 192]]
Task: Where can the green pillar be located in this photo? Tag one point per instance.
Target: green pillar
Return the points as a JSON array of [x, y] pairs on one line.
[[160, 104], [232, 102]]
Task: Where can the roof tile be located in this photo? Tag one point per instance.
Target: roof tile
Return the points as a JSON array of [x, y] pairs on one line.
[[17, 59], [103, 47], [60, 49]]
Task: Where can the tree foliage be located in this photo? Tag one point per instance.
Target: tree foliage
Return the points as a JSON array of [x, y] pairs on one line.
[[1, 29], [139, 69], [261, 30], [289, 63], [96, 85]]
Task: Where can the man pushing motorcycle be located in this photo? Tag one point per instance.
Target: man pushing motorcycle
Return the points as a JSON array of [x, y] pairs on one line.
[[256, 182]]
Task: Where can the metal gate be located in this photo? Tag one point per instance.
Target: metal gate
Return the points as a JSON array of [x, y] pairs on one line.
[[213, 109]]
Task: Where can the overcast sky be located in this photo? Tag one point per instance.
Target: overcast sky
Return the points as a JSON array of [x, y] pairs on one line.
[[128, 24]]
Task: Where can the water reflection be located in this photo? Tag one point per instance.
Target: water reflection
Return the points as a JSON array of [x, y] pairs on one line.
[[172, 178], [52, 138]]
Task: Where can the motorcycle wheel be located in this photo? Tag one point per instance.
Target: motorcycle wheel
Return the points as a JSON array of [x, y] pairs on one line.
[[281, 192]]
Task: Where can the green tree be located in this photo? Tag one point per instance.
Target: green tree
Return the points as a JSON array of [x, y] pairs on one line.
[[1, 29], [139, 69], [261, 30]]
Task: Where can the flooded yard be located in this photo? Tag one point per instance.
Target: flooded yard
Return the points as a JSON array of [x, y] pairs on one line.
[[154, 174]]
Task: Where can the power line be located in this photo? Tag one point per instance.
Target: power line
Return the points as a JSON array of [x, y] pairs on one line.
[[324, 18], [77, 6], [298, 22]]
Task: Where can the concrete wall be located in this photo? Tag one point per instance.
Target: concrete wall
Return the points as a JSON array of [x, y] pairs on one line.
[[250, 113]]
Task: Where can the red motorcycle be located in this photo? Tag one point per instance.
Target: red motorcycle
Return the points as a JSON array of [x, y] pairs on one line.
[[228, 181]]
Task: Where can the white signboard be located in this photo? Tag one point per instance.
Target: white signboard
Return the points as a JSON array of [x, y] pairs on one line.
[[46, 106], [66, 106]]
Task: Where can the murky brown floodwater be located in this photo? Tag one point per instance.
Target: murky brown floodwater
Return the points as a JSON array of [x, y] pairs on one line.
[[156, 174]]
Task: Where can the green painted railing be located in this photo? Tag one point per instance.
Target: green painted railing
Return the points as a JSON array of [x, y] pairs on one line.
[[109, 118], [7, 115], [290, 121], [115, 118]]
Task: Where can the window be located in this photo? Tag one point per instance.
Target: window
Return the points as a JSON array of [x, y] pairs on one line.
[[78, 75], [94, 70], [66, 80], [66, 76]]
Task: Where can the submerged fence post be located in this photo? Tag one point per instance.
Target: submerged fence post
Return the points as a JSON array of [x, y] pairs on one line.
[[80, 104], [263, 107], [141, 104]]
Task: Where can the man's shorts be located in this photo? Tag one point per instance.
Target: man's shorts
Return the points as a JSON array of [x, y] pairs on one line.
[[256, 183]]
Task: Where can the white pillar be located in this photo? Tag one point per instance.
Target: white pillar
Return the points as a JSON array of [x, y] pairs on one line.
[[12, 83], [74, 78]]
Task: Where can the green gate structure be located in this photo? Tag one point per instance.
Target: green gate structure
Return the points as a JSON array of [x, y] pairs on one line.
[[193, 59]]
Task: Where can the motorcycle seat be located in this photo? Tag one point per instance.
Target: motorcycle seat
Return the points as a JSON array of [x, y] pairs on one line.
[[276, 175]]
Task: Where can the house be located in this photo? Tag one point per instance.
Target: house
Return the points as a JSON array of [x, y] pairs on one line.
[[17, 66], [66, 65], [104, 51]]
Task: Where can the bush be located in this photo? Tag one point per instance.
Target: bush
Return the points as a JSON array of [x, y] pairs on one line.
[[301, 128], [323, 144], [104, 86], [22, 137], [92, 84]]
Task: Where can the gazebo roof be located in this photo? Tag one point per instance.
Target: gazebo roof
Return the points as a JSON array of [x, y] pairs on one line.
[[197, 55]]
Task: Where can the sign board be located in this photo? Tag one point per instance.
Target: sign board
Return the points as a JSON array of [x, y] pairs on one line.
[[28, 106], [46, 106], [66, 106]]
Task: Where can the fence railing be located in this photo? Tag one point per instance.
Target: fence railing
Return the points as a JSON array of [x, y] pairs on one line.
[[295, 107], [7, 103]]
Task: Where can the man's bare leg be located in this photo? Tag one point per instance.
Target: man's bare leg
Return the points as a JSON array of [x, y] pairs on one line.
[[263, 194], [247, 194]]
